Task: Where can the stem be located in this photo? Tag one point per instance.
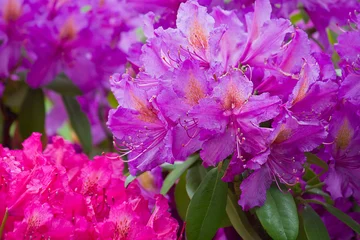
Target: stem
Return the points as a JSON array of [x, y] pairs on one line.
[[314, 186], [2, 227]]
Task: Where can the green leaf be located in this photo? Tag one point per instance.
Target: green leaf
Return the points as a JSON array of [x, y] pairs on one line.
[[14, 95], [64, 86], [320, 192], [79, 122], [279, 215], [207, 207], [176, 173], [339, 214], [313, 159], [129, 179], [332, 36], [343, 217], [304, 15], [296, 18], [238, 219], [32, 113], [310, 176], [182, 200], [112, 100], [194, 176], [313, 225]]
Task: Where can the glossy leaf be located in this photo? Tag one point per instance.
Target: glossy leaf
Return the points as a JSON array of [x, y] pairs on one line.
[[64, 86], [313, 225], [194, 176], [279, 215], [238, 219], [79, 122], [343, 217], [207, 207], [176, 173], [32, 113], [182, 200]]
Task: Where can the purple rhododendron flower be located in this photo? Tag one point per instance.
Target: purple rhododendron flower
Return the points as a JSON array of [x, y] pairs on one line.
[[248, 88]]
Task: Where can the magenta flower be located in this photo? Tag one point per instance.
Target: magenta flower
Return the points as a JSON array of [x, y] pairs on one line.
[[58, 193]]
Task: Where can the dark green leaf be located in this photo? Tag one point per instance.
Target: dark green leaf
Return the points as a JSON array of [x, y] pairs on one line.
[[194, 176], [343, 217], [279, 215], [64, 86], [311, 177], [302, 234], [32, 113], [14, 95], [79, 122], [176, 173], [304, 15], [320, 192], [313, 225], [207, 207], [238, 219], [313, 159], [181, 198]]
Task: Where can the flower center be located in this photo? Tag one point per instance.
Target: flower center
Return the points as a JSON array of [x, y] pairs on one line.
[[68, 31], [194, 93], [12, 10], [198, 37], [344, 135]]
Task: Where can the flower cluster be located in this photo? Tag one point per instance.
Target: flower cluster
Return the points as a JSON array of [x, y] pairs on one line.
[[343, 151], [84, 41], [59, 193], [250, 89]]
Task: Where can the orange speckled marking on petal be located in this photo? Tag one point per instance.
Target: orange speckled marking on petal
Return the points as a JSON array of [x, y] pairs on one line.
[[68, 30], [233, 98], [193, 90], [198, 36], [302, 91], [146, 114], [122, 227], [283, 135], [12, 10], [344, 135]]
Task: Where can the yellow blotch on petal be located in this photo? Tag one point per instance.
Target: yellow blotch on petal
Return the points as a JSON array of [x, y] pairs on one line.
[[193, 90], [283, 135], [233, 98], [12, 10], [198, 36], [302, 91], [68, 30], [146, 113], [147, 181], [344, 135]]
